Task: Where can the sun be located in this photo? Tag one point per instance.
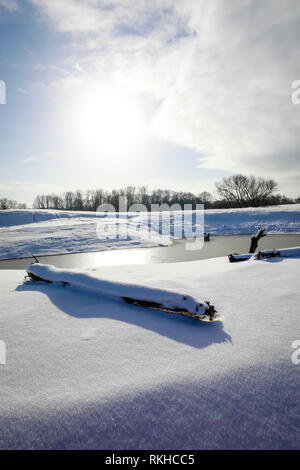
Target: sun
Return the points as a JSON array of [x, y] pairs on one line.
[[108, 121]]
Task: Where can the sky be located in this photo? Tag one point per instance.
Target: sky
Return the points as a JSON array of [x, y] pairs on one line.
[[163, 93]]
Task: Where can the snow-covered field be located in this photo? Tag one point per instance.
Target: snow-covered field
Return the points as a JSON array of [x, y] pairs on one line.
[[27, 232], [85, 370], [69, 232]]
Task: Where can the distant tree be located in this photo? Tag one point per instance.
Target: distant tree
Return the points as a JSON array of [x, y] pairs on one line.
[[130, 194], [246, 191], [69, 201], [206, 198], [78, 204], [6, 204], [142, 196], [39, 202], [286, 200], [94, 199]]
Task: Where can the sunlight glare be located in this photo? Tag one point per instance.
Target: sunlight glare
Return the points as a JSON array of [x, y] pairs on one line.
[[109, 121]]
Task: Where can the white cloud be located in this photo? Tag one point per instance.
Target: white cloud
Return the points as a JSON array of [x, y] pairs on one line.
[[103, 16], [220, 73], [10, 5], [232, 102], [70, 15]]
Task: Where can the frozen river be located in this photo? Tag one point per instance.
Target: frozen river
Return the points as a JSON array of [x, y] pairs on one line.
[[178, 252]]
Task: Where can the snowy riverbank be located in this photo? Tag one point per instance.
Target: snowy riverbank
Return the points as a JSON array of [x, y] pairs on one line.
[[27, 232], [88, 371]]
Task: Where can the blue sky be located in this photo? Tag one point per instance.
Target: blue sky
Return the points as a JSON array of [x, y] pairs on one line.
[[159, 93]]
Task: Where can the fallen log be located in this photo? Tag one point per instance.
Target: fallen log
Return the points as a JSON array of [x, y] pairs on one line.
[[268, 254], [235, 258], [139, 295], [209, 312], [34, 277]]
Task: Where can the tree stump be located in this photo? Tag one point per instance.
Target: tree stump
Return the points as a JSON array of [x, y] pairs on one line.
[[255, 239], [235, 258]]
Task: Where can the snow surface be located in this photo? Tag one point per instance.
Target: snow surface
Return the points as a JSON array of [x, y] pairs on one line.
[[88, 371], [38, 232], [70, 232]]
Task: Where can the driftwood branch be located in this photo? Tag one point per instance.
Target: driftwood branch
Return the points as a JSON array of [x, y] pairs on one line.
[[255, 239], [235, 258]]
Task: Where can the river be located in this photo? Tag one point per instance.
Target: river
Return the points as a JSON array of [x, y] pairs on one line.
[[177, 252]]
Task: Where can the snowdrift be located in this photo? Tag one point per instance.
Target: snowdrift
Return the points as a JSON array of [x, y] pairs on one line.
[[131, 293]]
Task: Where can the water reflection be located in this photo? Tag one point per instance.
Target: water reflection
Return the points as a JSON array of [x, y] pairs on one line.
[[217, 246]]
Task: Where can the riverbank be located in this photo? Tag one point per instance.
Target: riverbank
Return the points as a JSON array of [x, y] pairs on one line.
[[27, 232]]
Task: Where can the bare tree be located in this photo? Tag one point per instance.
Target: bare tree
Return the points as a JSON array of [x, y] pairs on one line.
[[246, 191], [6, 204], [235, 191], [69, 201], [206, 198], [142, 196], [39, 202], [78, 200]]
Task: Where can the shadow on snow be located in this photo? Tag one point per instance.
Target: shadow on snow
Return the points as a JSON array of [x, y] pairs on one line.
[[84, 304]]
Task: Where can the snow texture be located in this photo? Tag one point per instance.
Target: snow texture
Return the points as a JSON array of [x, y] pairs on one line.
[[88, 371]]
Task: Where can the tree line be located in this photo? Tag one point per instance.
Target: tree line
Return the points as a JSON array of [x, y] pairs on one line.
[[235, 191], [10, 204]]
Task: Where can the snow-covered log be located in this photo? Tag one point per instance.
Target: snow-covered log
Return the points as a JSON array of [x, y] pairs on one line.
[[284, 253], [267, 254], [235, 258], [131, 293]]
